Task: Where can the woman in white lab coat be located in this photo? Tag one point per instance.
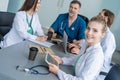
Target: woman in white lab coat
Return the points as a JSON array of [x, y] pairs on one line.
[[88, 63], [26, 25], [108, 43]]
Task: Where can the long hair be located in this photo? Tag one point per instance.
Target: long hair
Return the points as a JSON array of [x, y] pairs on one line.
[[110, 16], [28, 4]]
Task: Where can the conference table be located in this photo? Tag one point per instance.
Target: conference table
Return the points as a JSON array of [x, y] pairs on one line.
[[17, 55]]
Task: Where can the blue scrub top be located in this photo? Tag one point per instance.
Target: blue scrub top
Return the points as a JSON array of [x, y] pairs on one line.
[[75, 31]]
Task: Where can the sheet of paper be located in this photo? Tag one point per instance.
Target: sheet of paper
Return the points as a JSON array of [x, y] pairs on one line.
[[45, 44], [43, 50]]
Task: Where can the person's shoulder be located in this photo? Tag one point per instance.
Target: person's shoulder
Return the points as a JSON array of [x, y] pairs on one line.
[[97, 49], [63, 15], [109, 31], [20, 12], [80, 18], [35, 13], [109, 34]]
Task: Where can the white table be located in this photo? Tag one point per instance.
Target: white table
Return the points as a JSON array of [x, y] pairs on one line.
[[17, 54]]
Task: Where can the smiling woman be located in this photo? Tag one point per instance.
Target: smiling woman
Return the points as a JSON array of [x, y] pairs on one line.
[[26, 25], [95, 31], [87, 64]]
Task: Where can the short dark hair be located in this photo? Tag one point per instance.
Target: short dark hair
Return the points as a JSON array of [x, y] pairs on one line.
[[28, 4], [76, 2]]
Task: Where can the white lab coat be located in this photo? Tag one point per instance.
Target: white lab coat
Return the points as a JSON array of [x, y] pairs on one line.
[[19, 29], [88, 65], [108, 45]]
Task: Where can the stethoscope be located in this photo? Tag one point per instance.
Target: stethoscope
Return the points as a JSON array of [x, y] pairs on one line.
[[32, 70], [63, 24]]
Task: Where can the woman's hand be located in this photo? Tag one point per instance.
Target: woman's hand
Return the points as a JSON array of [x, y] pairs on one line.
[[42, 38], [71, 45], [54, 35], [53, 68]]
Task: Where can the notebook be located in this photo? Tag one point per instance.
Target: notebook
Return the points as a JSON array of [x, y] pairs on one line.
[[45, 43]]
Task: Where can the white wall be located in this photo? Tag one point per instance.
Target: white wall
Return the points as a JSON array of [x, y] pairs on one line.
[[14, 5], [49, 10], [3, 5], [116, 30]]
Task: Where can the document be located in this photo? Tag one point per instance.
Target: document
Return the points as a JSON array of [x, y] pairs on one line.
[[45, 43]]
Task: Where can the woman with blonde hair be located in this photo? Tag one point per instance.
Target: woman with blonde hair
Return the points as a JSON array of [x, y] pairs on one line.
[[88, 63]]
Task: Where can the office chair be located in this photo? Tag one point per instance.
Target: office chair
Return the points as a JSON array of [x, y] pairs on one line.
[[6, 20], [114, 73], [84, 18]]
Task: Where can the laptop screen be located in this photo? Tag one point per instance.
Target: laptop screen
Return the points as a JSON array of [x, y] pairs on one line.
[[65, 41]]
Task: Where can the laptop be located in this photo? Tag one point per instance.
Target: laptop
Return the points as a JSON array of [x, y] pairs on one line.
[[65, 42]]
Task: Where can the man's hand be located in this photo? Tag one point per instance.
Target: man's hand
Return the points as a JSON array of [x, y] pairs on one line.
[[74, 48]]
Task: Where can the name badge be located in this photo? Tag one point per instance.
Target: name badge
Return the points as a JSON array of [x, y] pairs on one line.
[[72, 28]]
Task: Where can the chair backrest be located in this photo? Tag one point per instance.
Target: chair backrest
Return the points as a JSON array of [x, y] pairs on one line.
[[114, 73], [6, 20]]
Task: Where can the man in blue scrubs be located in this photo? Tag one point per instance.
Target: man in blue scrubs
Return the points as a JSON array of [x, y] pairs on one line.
[[71, 23]]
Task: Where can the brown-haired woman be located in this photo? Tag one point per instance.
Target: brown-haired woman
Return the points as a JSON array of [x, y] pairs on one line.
[[108, 43], [26, 25]]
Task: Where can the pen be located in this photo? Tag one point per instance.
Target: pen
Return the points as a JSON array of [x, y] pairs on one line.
[[42, 49]]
